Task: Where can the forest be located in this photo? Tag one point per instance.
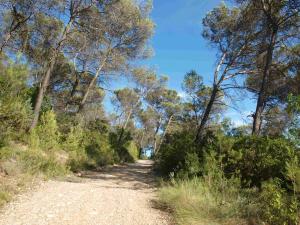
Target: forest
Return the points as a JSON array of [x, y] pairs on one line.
[[59, 59]]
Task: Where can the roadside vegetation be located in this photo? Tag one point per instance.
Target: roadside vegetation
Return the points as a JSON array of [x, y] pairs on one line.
[[234, 180], [59, 58], [219, 173]]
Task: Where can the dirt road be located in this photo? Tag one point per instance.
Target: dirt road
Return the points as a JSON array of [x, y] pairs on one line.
[[122, 195]]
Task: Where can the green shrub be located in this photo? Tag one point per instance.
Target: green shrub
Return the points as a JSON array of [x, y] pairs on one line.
[[190, 168], [74, 145], [15, 108], [277, 207], [88, 149], [133, 150], [123, 145], [214, 199], [47, 131], [173, 152], [98, 149], [78, 160], [74, 139], [258, 159], [46, 135], [293, 175], [33, 139]]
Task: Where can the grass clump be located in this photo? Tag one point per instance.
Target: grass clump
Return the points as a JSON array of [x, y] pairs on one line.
[[20, 161], [210, 199], [195, 202], [20, 166], [5, 196], [35, 162]]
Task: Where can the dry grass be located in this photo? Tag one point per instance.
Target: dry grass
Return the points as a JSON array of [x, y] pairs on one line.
[[193, 202], [21, 168], [10, 186]]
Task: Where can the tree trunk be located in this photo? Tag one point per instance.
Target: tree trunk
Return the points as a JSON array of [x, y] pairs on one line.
[[258, 116], [73, 92], [124, 127], [164, 134], [142, 139], [155, 135], [213, 96], [5, 41], [261, 101], [86, 94], [46, 79], [141, 145], [206, 114], [74, 87], [42, 90]]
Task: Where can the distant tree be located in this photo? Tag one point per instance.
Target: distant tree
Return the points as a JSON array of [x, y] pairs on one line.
[[241, 131], [198, 96], [165, 103], [148, 119], [171, 109], [193, 85], [151, 89], [128, 103], [120, 34]]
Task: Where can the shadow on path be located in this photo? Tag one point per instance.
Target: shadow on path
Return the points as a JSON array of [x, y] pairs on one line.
[[135, 176]]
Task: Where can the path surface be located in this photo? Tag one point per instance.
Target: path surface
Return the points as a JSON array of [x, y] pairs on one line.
[[122, 195]]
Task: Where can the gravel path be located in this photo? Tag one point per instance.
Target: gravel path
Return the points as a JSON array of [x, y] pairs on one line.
[[122, 195]]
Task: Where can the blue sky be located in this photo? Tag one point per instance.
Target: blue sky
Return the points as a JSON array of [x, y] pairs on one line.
[[179, 47], [177, 41]]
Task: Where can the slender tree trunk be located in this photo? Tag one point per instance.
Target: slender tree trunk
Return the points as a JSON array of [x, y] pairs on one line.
[[261, 101], [124, 127], [91, 84], [141, 144], [74, 87], [213, 96], [164, 134], [127, 120], [48, 73], [155, 135], [5, 41], [73, 91], [142, 139], [206, 114], [42, 90]]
